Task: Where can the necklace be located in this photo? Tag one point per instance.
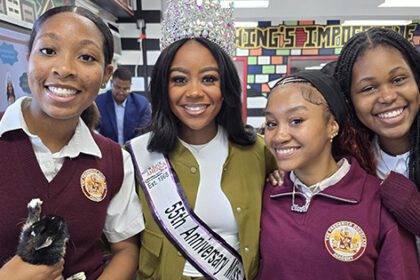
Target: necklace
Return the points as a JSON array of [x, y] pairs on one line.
[[297, 208]]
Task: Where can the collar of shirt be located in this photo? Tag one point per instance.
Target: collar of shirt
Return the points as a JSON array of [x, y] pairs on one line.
[[310, 191], [122, 105], [81, 142], [387, 163]]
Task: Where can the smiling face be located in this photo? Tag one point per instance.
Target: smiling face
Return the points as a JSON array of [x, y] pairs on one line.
[[120, 89], [298, 132], [66, 66], [385, 94], [194, 92]]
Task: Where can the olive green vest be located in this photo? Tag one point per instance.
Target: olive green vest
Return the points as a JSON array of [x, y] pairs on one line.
[[243, 180]]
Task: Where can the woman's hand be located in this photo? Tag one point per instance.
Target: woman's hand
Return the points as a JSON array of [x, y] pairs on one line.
[[17, 269], [275, 178]]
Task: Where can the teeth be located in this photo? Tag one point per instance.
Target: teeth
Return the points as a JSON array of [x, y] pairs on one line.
[[391, 114], [285, 151], [195, 107], [62, 91]]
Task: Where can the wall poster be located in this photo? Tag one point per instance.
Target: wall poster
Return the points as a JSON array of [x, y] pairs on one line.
[[13, 66]]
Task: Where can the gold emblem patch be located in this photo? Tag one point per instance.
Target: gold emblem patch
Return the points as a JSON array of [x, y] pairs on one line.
[[345, 241], [93, 184]]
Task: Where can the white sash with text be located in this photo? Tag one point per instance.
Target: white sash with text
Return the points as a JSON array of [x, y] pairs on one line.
[[202, 247]]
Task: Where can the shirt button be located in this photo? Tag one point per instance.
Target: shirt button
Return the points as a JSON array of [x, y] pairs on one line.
[[246, 249], [193, 170], [238, 209], [179, 254]]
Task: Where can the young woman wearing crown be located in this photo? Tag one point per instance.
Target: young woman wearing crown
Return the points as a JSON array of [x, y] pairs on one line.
[[201, 170]]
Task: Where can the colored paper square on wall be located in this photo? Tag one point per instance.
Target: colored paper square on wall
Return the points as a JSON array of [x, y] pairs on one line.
[[250, 79], [252, 60], [263, 60], [254, 69], [242, 52], [290, 22], [255, 52], [283, 52], [269, 69], [326, 51], [268, 52], [306, 22], [265, 88], [309, 52], [260, 79], [276, 60]]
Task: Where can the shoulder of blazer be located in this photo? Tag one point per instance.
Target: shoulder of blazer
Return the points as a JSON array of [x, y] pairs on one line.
[[139, 100], [104, 97]]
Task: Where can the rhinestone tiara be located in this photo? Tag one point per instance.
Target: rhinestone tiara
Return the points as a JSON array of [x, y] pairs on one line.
[[189, 19]]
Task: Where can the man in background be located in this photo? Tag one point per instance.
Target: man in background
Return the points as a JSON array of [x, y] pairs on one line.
[[123, 114]]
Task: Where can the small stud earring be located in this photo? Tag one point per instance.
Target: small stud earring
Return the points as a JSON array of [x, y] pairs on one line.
[[332, 136], [103, 85]]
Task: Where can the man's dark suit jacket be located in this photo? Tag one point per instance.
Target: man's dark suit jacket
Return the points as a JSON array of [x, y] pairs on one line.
[[137, 115]]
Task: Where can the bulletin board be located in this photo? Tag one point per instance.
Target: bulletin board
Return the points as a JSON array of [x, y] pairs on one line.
[[13, 64]]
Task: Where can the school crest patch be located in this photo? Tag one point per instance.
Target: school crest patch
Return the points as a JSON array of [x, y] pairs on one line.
[[345, 241], [93, 184]]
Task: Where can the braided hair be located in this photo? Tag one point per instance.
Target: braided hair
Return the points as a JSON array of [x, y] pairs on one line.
[[355, 48]]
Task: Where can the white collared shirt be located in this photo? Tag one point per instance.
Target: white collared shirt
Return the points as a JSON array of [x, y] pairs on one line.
[[387, 163], [124, 214], [119, 115], [310, 191]]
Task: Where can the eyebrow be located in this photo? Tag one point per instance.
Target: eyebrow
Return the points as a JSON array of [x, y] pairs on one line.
[[49, 35], [396, 69], [290, 110], [185, 71], [56, 37], [391, 72]]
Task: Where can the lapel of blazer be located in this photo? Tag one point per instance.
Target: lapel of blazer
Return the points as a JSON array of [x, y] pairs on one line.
[[110, 112], [129, 116]]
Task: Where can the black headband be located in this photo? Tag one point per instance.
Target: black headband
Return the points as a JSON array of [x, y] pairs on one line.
[[328, 87]]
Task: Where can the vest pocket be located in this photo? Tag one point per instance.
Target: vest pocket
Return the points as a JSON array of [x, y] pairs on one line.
[[151, 245]]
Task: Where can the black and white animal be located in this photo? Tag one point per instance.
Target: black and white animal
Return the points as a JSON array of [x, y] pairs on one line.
[[43, 239]]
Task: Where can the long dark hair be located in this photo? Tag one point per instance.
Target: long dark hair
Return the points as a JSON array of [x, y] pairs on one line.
[[353, 49], [165, 125]]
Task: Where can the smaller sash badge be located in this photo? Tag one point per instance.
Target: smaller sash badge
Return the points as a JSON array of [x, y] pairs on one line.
[[93, 184], [345, 241]]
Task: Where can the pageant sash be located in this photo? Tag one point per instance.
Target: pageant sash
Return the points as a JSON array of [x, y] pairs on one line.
[[203, 248]]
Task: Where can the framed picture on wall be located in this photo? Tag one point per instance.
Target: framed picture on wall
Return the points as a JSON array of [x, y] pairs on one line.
[[241, 64], [299, 63], [28, 11], [2, 7]]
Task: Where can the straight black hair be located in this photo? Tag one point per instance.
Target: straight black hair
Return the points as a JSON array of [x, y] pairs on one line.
[[355, 48], [165, 125]]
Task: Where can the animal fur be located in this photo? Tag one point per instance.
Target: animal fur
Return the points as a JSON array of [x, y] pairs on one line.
[[43, 239]]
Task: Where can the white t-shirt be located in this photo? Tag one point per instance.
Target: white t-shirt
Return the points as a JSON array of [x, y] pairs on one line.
[[212, 205], [124, 214]]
